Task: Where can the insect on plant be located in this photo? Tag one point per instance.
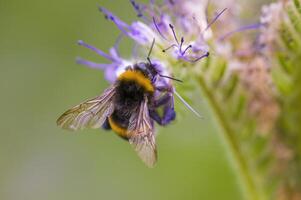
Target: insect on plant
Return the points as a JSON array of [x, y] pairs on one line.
[[129, 107]]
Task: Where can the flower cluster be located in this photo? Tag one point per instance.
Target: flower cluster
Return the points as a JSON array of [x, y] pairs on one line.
[[180, 29], [165, 23], [238, 78]]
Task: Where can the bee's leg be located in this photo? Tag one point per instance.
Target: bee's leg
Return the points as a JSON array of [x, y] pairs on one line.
[[169, 113], [164, 88], [168, 116], [166, 98]]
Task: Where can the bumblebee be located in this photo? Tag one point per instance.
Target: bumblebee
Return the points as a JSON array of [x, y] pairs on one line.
[[129, 107]]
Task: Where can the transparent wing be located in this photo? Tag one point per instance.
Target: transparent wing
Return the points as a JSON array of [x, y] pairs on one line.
[[141, 134], [89, 114]]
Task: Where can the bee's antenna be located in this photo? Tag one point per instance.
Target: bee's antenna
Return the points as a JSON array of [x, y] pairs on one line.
[[175, 79], [149, 60], [150, 51]]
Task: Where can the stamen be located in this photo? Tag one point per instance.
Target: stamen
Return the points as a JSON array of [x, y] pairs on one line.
[[182, 41], [215, 18], [116, 45], [91, 64], [158, 29], [187, 48], [244, 28], [173, 45], [174, 33], [201, 57], [96, 50], [197, 59]]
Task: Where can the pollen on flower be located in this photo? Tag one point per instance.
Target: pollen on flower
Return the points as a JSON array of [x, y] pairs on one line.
[[270, 21]]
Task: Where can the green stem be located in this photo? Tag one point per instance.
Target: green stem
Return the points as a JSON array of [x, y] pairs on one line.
[[245, 178]]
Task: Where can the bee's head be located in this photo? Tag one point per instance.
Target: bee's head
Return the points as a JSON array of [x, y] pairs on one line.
[[147, 69]]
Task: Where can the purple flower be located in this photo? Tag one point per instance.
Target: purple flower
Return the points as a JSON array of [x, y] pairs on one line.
[[179, 27], [138, 31], [165, 23], [156, 25], [112, 70]]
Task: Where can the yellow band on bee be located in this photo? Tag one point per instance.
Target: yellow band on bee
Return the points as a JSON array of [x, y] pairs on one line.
[[138, 77], [118, 129]]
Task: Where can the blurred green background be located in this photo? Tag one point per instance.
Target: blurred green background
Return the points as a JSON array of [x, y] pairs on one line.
[[39, 80]]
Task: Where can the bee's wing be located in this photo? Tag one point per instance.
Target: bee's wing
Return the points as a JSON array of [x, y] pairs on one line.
[[142, 137], [89, 114]]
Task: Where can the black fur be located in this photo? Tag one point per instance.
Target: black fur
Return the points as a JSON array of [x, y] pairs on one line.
[[129, 95]]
